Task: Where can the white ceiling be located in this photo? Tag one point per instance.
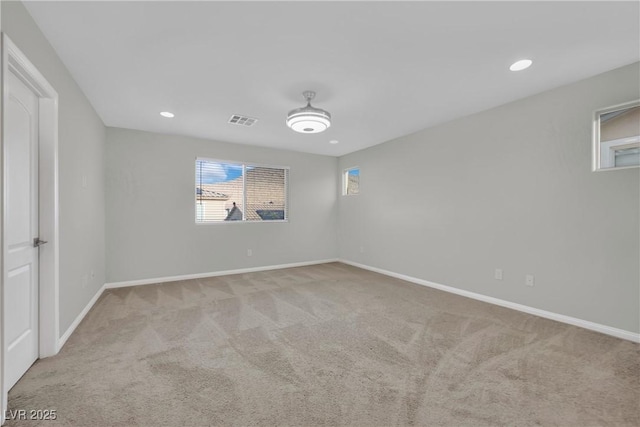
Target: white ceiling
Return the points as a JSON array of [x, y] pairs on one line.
[[383, 69]]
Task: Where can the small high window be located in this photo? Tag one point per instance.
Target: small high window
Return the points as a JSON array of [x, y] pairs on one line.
[[228, 191], [616, 137], [351, 181]]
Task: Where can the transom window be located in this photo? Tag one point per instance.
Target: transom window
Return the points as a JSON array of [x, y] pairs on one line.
[[230, 191]]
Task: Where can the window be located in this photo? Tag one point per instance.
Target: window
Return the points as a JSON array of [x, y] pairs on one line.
[[227, 191], [616, 137], [351, 181]]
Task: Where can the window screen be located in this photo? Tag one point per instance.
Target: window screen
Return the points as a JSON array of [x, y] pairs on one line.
[[227, 191]]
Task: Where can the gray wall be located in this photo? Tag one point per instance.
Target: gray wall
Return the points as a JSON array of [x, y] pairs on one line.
[[81, 152], [150, 209], [508, 188]]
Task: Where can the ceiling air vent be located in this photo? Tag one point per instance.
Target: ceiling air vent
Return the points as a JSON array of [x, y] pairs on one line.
[[237, 119]]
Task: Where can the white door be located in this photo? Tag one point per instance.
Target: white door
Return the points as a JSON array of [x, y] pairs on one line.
[[21, 256]]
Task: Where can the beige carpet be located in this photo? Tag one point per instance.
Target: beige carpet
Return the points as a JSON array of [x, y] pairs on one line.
[[327, 345]]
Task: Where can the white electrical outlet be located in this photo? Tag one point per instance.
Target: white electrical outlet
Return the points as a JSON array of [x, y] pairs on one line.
[[529, 280], [498, 274], [249, 252]]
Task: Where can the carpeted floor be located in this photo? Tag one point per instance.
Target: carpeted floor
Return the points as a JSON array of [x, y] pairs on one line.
[[327, 345]]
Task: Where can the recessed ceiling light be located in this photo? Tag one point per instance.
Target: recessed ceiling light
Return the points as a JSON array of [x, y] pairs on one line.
[[333, 141], [521, 65], [167, 114]]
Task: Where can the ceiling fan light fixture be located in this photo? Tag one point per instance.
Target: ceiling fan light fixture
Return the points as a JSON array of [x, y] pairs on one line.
[[309, 119]]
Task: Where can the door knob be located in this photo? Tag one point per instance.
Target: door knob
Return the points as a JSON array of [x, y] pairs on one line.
[[37, 242]]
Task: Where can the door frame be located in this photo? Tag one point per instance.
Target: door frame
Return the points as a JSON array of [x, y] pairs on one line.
[[13, 60]]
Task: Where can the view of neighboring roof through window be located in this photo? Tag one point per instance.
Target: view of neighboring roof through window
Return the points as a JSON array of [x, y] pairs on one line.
[[351, 181], [227, 191]]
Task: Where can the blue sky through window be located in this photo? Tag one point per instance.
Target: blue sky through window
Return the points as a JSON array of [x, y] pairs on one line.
[[208, 172]]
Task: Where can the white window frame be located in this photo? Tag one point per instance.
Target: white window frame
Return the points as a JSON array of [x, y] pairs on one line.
[[345, 180], [603, 160], [244, 192]]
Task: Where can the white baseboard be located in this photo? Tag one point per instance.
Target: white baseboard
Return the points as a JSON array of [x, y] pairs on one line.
[[63, 339], [619, 333], [214, 274]]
